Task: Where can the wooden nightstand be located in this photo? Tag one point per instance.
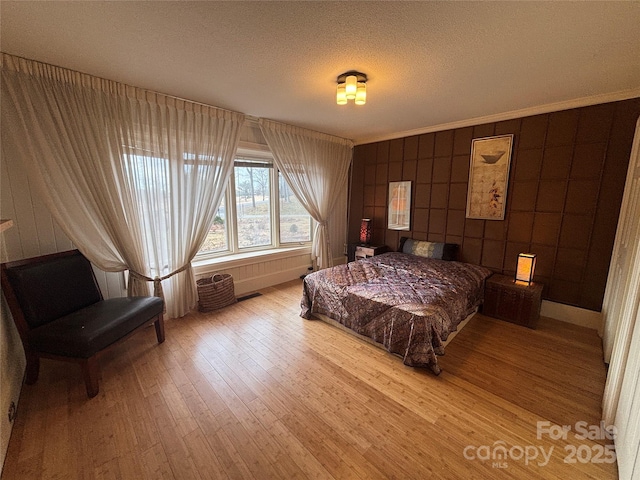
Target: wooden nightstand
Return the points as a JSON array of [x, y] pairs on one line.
[[507, 300], [370, 251]]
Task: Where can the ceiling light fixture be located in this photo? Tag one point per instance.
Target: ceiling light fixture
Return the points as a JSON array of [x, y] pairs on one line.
[[352, 86]]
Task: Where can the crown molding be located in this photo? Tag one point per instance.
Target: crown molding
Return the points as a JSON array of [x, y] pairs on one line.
[[500, 117]]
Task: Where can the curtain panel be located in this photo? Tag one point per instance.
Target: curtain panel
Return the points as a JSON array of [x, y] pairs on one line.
[[133, 177], [316, 167]]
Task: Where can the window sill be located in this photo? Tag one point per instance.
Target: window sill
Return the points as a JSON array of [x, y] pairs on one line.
[[246, 258]]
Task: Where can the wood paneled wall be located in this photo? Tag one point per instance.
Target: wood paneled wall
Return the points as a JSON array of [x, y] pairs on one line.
[[566, 181]]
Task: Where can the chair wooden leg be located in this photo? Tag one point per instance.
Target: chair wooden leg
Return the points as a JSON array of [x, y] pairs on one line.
[[33, 368], [91, 374], [159, 324]]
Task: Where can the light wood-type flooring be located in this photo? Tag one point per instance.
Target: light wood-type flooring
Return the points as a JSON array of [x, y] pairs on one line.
[[256, 392]]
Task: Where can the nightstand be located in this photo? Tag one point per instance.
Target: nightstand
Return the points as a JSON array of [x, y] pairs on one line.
[[362, 251], [514, 302]]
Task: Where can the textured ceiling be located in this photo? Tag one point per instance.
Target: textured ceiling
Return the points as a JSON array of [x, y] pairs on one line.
[[429, 63]]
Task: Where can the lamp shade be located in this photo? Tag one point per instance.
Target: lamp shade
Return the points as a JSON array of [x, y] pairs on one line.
[[361, 94], [525, 267], [351, 86], [341, 94], [365, 231]]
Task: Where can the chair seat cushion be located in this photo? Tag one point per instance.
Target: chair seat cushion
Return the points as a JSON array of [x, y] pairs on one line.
[[87, 331]]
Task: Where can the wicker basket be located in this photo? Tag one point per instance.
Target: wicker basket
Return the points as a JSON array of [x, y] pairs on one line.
[[215, 292]]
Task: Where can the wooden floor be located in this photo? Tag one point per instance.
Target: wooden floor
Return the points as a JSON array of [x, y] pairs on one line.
[[256, 392]]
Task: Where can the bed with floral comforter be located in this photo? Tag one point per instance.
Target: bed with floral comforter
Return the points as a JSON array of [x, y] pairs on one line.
[[406, 303]]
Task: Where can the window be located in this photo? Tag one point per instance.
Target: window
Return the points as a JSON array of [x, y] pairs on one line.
[[259, 210]]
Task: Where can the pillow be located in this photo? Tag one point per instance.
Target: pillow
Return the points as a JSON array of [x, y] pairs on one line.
[[422, 248]]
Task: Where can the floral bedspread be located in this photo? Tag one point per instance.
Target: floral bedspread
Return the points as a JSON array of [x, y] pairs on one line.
[[408, 304]]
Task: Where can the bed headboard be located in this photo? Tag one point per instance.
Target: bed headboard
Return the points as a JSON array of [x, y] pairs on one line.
[[423, 248]]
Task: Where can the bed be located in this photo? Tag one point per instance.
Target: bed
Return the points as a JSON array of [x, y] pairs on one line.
[[409, 304]]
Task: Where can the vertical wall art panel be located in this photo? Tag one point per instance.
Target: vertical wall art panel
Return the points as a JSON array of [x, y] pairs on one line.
[[488, 177]]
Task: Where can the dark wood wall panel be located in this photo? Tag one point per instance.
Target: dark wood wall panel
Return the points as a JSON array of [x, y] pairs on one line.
[[566, 182]]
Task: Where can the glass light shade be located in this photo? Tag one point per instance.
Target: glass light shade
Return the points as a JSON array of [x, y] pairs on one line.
[[341, 94], [365, 231], [525, 267], [361, 93], [351, 86]]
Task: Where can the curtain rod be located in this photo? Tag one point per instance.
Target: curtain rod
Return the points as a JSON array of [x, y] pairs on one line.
[[248, 118], [154, 92]]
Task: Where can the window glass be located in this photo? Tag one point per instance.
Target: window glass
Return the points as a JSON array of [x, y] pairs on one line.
[[217, 239], [150, 176], [253, 205], [295, 222]]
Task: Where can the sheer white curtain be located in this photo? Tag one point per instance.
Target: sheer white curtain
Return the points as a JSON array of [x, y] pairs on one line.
[[621, 339], [316, 167], [133, 177]]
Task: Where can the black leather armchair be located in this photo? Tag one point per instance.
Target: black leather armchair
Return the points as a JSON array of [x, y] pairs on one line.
[[60, 313]]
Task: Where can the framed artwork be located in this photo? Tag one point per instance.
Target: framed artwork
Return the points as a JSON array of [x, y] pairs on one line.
[[488, 177], [399, 214]]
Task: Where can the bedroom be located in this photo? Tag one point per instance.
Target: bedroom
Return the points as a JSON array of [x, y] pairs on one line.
[[40, 235]]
